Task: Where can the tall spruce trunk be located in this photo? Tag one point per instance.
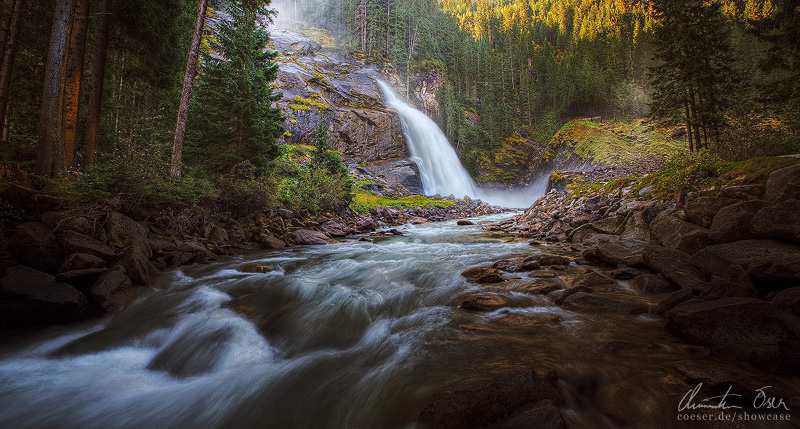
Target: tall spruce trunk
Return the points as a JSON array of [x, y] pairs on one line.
[[50, 159], [9, 58], [96, 87], [72, 82], [186, 94]]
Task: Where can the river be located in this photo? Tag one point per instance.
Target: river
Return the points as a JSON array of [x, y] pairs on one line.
[[355, 334]]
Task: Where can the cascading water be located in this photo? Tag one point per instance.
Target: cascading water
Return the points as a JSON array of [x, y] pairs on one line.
[[439, 167]]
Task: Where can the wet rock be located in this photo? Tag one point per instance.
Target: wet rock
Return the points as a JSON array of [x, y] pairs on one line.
[[649, 283], [30, 297], [541, 287], [288, 43], [485, 302], [628, 252], [543, 274], [625, 273], [750, 329], [606, 303], [566, 293], [547, 259], [676, 234], [732, 223], [199, 254], [702, 210], [483, 275], [507, 266], [112, 290], [788, 300], [81, 278], [308, 237], [781, 181], [140, 270], [255, 268], [673, 300], [38, 246], [123, 231], [529, 264], [780, 221], [465, 222], [518, 321], [503, 402], [675, 266], [80, 261], [75, 242], [723, 288]]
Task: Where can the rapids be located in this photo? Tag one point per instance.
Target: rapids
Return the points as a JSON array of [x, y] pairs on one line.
[[355, 334]]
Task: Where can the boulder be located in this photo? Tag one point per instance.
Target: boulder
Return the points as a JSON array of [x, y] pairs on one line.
[[546, 259], [483, 275], [80, 261], [609, 225], [398, 174], [636, 227], [732, 223], [269, 241], [649, 283], [140, 270], [673, 300], [38, 246], [776, 271], [502, 401], [676, 234], [465, 222], [780, 221], [123, 231], [308, 237], [606, 303], [626, 252], [742, 192], [719, 258], [75, 242], [199, 254], [112, 290], [625, 273], [255, 268], [746, 328], [675, 266], [788, 300], [723, 288], [485, 302], [507, 266], [30, 297], [541, 287], [566, 293], [592, 278], [784, 183], [702, 210]]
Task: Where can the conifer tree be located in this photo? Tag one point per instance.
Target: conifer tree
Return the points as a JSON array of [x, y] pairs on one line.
[[233, 118]]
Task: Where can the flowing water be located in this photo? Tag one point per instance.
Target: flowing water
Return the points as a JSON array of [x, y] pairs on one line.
[[355, 334], [439, 167]]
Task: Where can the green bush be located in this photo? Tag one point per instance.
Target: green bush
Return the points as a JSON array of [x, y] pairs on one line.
[[243, 192]]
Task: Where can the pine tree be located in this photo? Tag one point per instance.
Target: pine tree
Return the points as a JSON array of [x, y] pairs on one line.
[[692, 81], [233, 118]]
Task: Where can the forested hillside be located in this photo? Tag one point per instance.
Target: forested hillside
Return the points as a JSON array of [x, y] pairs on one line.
[[535, 64]]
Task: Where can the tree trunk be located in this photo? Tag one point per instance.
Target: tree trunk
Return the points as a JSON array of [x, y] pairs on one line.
[[186, 94], [363, 14], [50, 159], [96, 87], [74, 74], [688, 124], [9, 58]]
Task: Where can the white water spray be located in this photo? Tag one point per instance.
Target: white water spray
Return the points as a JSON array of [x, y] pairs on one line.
[[439, 167]]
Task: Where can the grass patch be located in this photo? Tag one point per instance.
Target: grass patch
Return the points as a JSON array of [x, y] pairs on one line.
[[364, 201]]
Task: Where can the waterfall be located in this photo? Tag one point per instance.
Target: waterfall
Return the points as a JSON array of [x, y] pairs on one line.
[[439, 166]]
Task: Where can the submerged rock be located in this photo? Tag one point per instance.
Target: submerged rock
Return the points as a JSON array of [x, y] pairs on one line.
[[483, 275]]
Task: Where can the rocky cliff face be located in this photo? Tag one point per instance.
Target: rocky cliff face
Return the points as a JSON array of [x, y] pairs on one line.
[[320, 85]]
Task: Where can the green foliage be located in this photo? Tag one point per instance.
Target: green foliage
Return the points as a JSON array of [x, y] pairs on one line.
[[684, 173], [365, 201], [232, 118], [244, 192]]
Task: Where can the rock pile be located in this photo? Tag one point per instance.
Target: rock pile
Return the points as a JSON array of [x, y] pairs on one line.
[[731, 262]]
